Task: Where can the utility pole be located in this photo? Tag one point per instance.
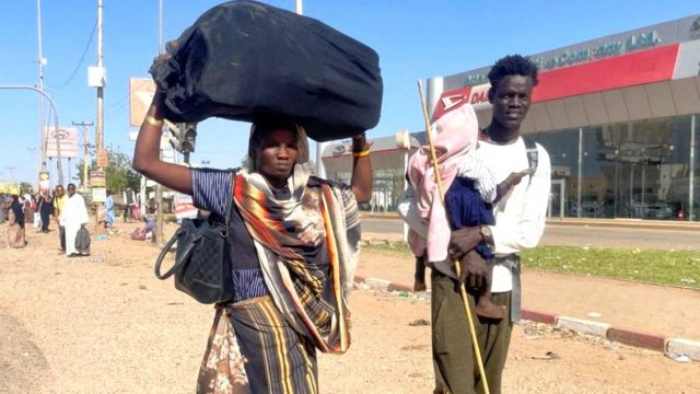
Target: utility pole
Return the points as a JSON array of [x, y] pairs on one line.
[[84, 126], [42, 123], [99, 129], [320, 169], [40, 84], [99, 84]]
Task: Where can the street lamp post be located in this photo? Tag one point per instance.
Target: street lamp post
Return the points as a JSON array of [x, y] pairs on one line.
[[56, 128], [320, 169]]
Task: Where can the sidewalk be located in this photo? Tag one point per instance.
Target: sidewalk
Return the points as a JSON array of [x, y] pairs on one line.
[[662, 311], [587, 222]]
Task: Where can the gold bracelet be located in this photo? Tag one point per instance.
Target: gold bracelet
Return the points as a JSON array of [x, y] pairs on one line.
[[151, 120], [364, 153]]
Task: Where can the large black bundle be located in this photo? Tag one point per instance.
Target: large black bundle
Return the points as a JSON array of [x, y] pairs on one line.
[[245, 60]]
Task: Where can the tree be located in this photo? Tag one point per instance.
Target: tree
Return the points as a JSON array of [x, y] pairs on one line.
[[119, 173]]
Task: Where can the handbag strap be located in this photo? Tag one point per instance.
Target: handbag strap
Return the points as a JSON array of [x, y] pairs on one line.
[[229, 204], [173, 239], [161, 257]]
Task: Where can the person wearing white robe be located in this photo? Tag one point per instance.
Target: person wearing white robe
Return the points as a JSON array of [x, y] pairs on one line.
[[73, 216]]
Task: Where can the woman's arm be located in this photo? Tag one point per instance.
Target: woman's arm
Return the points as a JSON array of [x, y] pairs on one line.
[[361, 182], [147, 154]]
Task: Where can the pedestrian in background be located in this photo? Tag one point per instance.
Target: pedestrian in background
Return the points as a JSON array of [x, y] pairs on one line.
[[73, 217], [59, 200], [15, 232], [3, 209], [29, 209], [109, 210], [45, 209]]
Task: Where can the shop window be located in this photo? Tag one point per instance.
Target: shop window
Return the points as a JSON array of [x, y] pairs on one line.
[[637, 169], [562, 146]]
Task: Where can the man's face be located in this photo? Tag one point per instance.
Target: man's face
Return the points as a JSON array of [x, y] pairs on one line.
[[59, 191], [511, 100], [71, 190]]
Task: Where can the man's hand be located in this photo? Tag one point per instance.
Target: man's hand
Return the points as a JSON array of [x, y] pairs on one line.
[[464, 240], [513, 179], [473, 270]]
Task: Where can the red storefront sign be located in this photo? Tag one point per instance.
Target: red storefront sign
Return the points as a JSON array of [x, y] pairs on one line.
[[638, 68]]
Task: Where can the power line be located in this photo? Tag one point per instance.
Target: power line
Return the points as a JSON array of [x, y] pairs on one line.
[[82, 58]]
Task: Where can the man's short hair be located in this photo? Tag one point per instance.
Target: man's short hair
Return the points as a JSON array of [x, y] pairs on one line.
[[513, 65]]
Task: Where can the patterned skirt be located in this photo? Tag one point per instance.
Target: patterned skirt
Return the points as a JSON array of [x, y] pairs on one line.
[[252, 349]]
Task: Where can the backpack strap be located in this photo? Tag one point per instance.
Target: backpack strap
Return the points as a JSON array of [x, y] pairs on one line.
[[531, 152], [532, 155]]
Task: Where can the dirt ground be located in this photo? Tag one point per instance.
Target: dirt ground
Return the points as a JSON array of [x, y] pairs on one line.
[[624, 304], [104, 324]]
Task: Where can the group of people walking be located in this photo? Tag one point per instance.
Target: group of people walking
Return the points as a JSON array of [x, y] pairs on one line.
[[67, 210], [21, 211]]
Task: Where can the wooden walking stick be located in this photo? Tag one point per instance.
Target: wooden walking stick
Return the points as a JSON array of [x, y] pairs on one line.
[[463, 291]]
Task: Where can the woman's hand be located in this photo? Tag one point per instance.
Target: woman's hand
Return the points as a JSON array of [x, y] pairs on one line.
[[362, 169]]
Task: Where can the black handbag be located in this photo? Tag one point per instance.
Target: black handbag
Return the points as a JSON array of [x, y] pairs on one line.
[[202, 266]]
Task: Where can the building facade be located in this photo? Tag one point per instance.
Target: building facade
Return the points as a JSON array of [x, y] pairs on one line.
[[389, 159], [619, 117]]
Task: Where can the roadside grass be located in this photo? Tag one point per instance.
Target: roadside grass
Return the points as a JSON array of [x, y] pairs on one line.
[[675, 268]]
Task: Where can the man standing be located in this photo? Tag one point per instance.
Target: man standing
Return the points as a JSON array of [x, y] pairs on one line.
[[520, 219], [59, 201], [109, 210], [73, 217]]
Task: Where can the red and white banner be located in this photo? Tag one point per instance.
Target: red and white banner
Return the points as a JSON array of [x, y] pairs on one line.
[[66, 138], [637, 68], [477, 96]]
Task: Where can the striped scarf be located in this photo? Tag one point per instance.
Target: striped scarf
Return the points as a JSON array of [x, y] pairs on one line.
[[293, 230]]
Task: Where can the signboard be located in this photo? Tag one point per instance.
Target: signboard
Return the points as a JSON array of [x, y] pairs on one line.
[[613, 73], [66, 138], [99, 194], [141, 91], [44, 184], [673, 32], [102, 159], [184, 207], [97, 178], [477, 96]]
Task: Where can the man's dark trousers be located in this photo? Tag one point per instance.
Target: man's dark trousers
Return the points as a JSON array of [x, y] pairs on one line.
[[455, 368], [62, 237]]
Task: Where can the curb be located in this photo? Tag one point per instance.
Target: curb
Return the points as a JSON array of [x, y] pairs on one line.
[[672, 347], [646, 224]]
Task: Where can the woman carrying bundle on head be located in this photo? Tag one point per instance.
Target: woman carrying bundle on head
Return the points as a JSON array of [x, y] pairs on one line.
[[293, 246]]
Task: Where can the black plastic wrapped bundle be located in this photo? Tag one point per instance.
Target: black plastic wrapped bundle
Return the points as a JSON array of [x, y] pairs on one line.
[[244, 60]]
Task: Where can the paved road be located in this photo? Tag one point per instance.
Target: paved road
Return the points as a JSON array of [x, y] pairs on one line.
[[583, 235]]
